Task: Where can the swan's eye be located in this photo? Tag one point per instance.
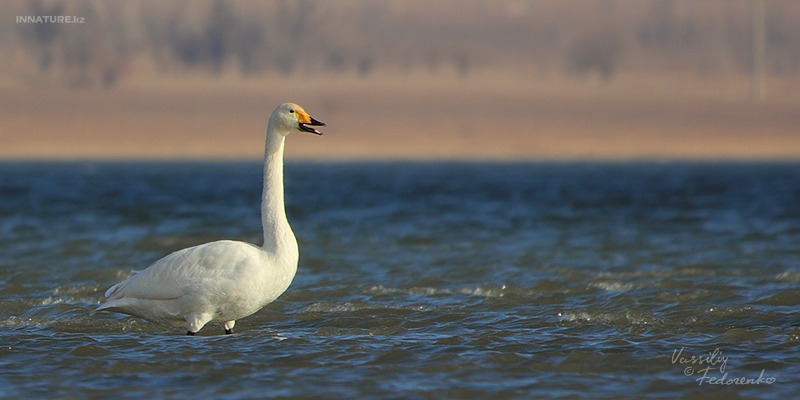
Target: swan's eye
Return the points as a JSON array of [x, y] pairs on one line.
[[291, 111]]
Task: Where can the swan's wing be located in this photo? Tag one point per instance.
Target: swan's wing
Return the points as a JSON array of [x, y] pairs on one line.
[[204, 266]]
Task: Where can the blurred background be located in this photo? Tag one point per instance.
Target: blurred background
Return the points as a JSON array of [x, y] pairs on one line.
[[403, 80]]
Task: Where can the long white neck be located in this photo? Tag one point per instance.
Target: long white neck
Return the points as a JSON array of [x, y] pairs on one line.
[[278, 236]]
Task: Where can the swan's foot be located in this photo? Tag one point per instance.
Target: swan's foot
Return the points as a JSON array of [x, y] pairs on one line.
[[195, 322], [228, 326]]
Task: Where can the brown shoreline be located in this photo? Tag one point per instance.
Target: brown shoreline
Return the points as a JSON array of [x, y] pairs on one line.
[[493, 117]]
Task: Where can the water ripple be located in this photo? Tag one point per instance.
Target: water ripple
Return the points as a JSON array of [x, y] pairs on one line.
[[415, 280]]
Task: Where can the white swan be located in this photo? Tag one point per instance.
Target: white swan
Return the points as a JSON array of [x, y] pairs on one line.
[[225, 280]]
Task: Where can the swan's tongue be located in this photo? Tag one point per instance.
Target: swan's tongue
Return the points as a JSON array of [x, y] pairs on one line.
[[308, 127]]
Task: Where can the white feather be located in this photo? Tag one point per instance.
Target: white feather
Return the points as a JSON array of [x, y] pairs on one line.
[[225, 280]]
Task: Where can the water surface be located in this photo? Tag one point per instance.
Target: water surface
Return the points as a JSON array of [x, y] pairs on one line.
[[415, 281]]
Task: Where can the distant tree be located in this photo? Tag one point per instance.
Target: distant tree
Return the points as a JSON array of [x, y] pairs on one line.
[[296, 22], [366, 64], [663, 28], [220, 33], [80, 46], [337, 59], [599, 52], [40, 38], [462, 62], [188, 48], [249, 47]]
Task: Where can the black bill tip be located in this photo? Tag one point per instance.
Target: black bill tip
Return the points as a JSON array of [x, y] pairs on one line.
[[314, 122], [308, 127]]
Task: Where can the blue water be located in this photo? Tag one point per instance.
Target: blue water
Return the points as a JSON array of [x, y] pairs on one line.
[[415, 281]]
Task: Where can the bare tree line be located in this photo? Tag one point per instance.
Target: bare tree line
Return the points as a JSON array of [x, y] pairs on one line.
[[360, 37]]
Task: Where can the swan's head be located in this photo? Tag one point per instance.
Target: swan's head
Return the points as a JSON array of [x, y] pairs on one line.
[[290, 117]]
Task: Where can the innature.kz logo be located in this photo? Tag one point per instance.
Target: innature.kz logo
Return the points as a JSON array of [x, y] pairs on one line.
[[49, 19]]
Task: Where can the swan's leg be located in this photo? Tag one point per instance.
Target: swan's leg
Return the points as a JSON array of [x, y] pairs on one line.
[[190, 333], [195, 322], [229, 326]]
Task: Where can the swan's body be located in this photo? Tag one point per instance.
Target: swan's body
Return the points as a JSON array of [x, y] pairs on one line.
[[225, 280]]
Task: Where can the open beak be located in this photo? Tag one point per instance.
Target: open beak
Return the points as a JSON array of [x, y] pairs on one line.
[[307, 126]]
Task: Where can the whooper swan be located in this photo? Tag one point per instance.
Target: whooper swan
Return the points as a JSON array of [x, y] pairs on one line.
[[225, 280]]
